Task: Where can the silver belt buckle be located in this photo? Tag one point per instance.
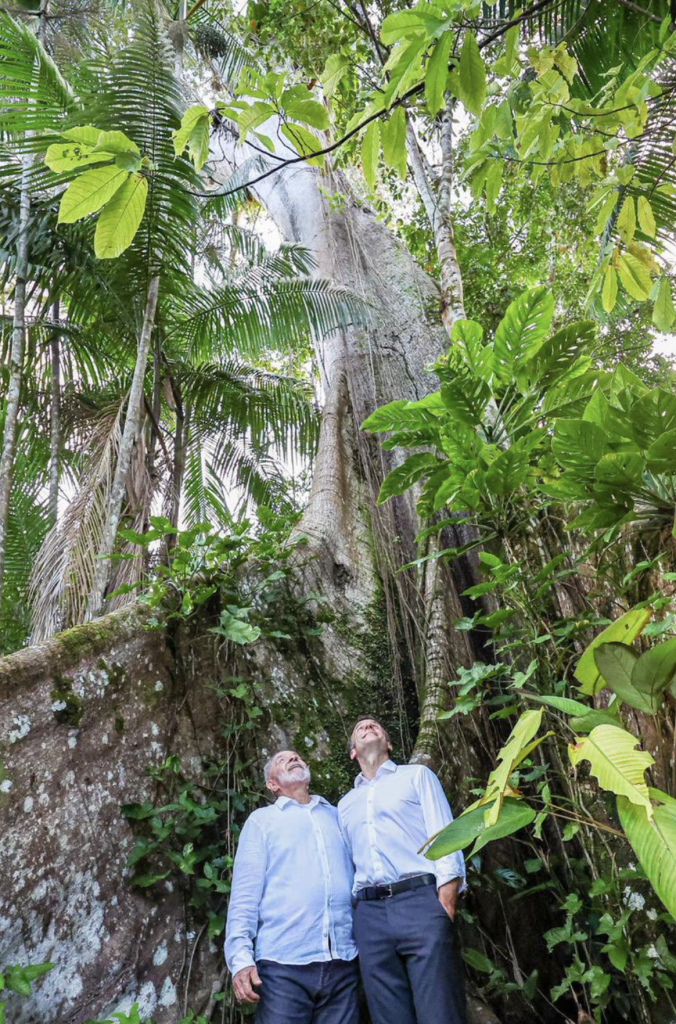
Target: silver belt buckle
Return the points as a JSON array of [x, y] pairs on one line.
[[388, 885]]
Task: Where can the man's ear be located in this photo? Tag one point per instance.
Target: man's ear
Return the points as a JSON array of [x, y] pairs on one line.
[[272, 785], [353, 753]]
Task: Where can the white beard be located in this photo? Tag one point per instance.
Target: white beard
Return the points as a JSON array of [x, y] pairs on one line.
[[293, 777]]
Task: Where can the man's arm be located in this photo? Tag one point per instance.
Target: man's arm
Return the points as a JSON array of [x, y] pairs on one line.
[[248, 879], [450, 870]]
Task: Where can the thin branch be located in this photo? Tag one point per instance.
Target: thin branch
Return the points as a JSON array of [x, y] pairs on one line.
[[413, 91]]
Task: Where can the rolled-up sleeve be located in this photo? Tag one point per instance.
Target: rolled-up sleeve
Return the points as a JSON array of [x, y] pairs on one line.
[[437, 814], [248, 879]]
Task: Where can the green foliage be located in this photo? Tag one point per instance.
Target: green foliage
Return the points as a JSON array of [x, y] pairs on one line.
[[19, 979]]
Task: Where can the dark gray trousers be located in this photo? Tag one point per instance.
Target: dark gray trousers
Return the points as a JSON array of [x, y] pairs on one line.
[[409, 960], [316, 993]]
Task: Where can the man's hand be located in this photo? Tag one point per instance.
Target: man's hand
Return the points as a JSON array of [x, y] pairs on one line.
[[243, 984], [448, 896]]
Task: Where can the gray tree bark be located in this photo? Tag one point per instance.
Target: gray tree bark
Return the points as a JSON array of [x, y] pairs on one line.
[[131, 433]]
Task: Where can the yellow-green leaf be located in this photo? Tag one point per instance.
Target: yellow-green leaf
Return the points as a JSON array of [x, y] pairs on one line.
[[68, 156], [609, 295], [304, 142], [634, 276], [85, 133], [89, 192], [470, 82], [115, 142], [370, 148], [626, 221], [393, 135], [519, 738], [336, 68], [436, 76], [120, 218], [646, 217], [624, 630], [615, 762], [654, 842], [664, 313], [193, 134]]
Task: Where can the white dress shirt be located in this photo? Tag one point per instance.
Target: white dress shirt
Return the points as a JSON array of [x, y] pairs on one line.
[[387, 819], [291, 887]]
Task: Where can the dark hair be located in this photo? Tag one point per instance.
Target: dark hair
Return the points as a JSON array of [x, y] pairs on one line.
[[365, 718]]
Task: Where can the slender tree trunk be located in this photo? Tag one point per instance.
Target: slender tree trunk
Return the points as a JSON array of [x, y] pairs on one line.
[[132, 429], [15, 366], [55, 418]]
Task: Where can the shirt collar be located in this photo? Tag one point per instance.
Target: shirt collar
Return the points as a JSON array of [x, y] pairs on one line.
[[386, 766], [284, 801]]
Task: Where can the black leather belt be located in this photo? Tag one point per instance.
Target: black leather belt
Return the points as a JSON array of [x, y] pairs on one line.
[[387, 889]]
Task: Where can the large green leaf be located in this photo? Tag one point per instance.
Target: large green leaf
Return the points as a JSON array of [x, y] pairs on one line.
[[89, 192], [509, 757], [471, 826], [194, 135], [508, 471], [370, 148], [615, 762], [68, 156], [654, 672], [558, 354], [404, 476], [661, 455], [652, 416], [664, 313], [436, 76], [625, 630], [120, 218], [422, 20], [304, 142], [466, 399], [522, 330], [393, 137], [623, 470], [298, 104], [469, 81], [337, 66], [578, 445], [615, 661], [654, 843]]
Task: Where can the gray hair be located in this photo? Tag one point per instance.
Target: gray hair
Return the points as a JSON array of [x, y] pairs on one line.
[[267, 767]]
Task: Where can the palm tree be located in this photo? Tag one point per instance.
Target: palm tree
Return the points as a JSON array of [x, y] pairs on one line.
[[162, 396]]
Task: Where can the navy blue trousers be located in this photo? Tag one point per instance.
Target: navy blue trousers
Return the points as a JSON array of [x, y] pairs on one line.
[[409, 959], [316, 993]]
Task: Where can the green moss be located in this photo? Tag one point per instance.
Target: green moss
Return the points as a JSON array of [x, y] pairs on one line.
[[62, 693], [79, 641], [115, 673], [334, 704], [119, 724]]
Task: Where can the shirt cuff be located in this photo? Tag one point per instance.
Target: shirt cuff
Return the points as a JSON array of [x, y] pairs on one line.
[[240, 961], [449, 872]]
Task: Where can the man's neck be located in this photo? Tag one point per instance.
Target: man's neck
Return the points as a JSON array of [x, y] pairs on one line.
[[370, 765], [300, 793]]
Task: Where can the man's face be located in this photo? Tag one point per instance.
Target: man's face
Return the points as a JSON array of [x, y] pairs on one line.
[[369, 737], [288, 769]]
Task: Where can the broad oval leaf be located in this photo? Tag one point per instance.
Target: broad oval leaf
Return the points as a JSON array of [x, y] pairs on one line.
[[423, 19], [653, 415], [625, 630], [304, 142], [578, 446], [654, 673], [68, 156], [116, 142], [615, 762], [615, 661], [120, 218], [89, 192]]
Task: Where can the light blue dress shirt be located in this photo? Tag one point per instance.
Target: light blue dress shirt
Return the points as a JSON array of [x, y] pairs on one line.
[[387, 819], [291, 888]]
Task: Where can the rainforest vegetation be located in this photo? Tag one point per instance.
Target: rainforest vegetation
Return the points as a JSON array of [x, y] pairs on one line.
[[337, 377]]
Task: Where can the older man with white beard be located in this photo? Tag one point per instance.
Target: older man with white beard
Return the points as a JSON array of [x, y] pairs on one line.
[[405, 904], [288, 940]]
